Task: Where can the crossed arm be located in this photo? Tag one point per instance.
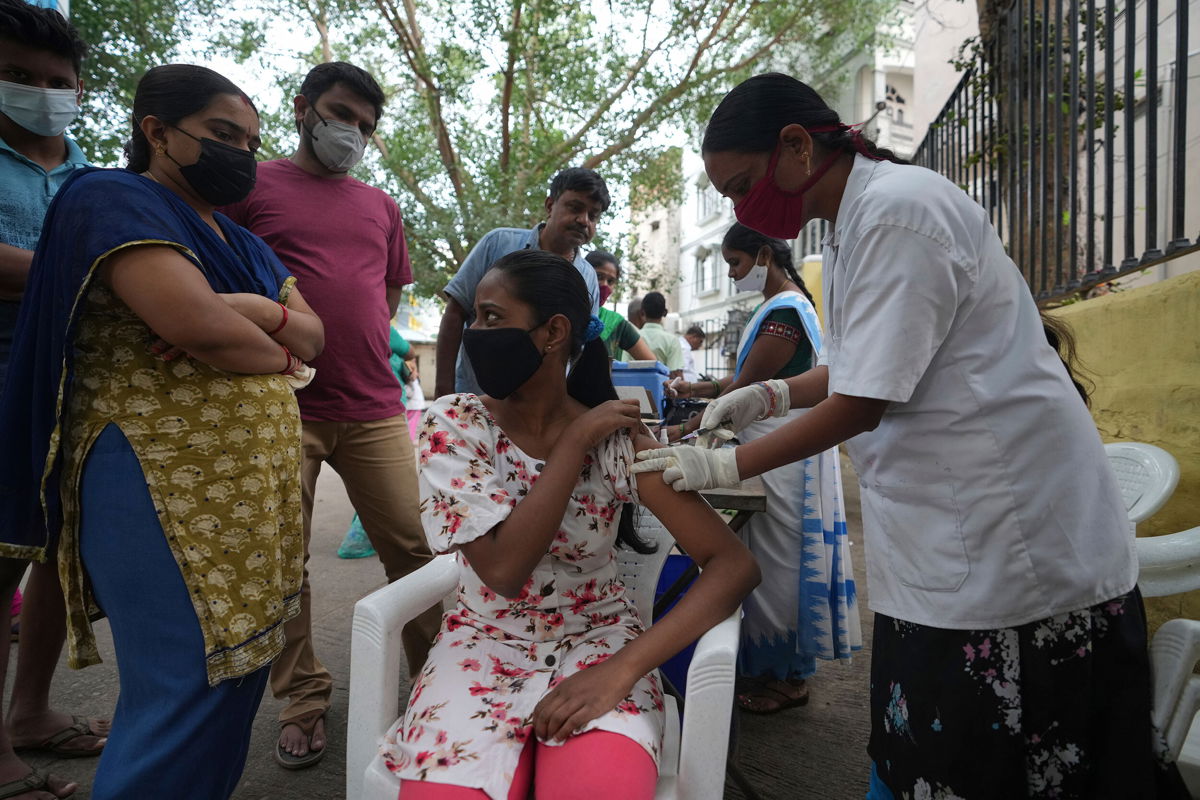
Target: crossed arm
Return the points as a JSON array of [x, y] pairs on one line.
[[227, 331]]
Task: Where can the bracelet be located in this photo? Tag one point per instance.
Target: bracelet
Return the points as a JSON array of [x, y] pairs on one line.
[[770, 396], [293, 363], [716, 387], [681, 430], [282, 322]]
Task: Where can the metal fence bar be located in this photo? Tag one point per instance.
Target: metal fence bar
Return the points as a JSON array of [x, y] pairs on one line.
[[1151, 251], [1089, 140], [1073, 153], [1110, 111], [1030, 133], [1131, 259], [1179, 106], [1043, 261], [1059, 283]]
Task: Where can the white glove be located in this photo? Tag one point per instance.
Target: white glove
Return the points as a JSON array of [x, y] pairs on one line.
[[729, 413], [689, 469]]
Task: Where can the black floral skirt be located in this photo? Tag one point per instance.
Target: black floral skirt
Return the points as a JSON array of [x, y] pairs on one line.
[[1057, 708]]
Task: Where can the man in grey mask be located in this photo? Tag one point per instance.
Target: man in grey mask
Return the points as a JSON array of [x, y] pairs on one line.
[[344, 242]]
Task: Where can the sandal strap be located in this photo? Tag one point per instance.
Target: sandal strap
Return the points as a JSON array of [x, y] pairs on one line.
[[30, 783]]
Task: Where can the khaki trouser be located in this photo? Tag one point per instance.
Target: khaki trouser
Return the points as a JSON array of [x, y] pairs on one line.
[[375, 461]]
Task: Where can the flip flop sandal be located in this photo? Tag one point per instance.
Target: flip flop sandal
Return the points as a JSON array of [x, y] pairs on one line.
[[33, 782], [55, 745], [307, 724], [751, 702]]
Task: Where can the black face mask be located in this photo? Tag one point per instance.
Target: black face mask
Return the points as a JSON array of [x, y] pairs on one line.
[[223, 174], [503, 358]]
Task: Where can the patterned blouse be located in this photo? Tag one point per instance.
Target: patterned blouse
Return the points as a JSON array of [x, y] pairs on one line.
[[221, 456], [469, 714]]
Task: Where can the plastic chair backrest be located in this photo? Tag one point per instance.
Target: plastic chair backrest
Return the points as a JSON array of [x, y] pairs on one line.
[[1146, 474], [640, 572]]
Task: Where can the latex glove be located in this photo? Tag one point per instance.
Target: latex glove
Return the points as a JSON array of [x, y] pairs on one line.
[[301, 377], [688, 469], [729, 413]]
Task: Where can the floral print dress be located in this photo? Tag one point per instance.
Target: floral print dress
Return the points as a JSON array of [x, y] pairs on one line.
[[469, 714]]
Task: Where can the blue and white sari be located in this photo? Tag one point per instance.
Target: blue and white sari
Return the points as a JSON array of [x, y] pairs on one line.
[[806, 606]]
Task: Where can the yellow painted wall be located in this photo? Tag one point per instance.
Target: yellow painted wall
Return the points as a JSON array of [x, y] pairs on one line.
[[1141, 349]]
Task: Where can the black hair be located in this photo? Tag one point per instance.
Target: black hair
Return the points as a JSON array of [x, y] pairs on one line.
[[1062, 339], [748, 240], [170, 93], [43, 29], [750, 117], [695, 330], [322, 78], [654, 305], [580, 179], [550, 285], [599, 258]]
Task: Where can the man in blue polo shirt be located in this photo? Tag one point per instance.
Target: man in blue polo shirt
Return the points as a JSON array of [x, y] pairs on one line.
[[40, 87], [577, 198]]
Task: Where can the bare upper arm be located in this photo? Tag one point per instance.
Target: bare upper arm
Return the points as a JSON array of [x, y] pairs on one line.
[[170, 294], [700, 531]]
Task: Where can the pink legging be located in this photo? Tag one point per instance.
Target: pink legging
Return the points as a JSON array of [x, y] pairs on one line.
[[595, 765]]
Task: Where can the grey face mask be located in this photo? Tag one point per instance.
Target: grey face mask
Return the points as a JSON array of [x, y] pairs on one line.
[[337, 145]]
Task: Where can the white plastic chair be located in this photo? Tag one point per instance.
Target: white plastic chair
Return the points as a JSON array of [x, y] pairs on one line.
[[1146, 474], [1168, 564], [1173, 656], [692, 766]]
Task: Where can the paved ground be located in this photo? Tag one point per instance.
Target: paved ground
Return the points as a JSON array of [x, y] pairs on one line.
[[818, 751]]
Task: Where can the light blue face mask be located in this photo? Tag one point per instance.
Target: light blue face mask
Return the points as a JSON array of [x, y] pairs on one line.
[[46, 112]]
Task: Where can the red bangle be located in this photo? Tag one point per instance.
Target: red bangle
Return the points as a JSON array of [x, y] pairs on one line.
[[293, 363], [282, 322]]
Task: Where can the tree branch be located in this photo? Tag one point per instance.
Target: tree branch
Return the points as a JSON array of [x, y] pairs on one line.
[[506, 93]]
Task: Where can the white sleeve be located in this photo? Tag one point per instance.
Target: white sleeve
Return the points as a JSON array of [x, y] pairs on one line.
[[898, 306]]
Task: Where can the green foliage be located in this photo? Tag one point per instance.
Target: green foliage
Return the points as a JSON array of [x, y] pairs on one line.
[[488, 99], [125, 38]]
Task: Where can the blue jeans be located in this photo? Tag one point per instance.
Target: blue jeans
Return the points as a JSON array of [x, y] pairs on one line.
[[173, 735]]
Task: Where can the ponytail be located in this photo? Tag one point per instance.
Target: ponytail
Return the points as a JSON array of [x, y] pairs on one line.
[[1062, 339]]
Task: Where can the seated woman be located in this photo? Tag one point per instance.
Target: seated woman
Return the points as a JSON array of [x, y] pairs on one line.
[[540, 674], [150, 397]]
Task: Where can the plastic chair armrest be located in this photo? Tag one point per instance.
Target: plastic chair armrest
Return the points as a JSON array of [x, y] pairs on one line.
[[375, 651], [704, 743]]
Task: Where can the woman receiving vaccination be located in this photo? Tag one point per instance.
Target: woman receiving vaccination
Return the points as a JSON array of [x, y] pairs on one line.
[[541, 673]]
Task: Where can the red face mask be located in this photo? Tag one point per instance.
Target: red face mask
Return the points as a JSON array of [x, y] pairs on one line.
[[772, 211], [605, 293]]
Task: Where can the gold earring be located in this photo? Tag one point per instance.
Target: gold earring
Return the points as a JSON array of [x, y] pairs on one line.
[[160, 149], [548, 347]]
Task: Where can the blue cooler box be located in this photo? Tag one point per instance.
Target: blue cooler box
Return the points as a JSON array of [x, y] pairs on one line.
[[647, 374]]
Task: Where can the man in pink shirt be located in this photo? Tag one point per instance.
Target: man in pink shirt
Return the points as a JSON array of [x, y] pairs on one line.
[[344, 242]]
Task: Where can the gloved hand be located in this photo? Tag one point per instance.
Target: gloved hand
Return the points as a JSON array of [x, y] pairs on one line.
[[689, 469], [729, 413]]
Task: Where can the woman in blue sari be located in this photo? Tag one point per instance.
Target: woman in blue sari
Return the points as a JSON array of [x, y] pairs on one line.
[[152, 436], [806, 606]]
